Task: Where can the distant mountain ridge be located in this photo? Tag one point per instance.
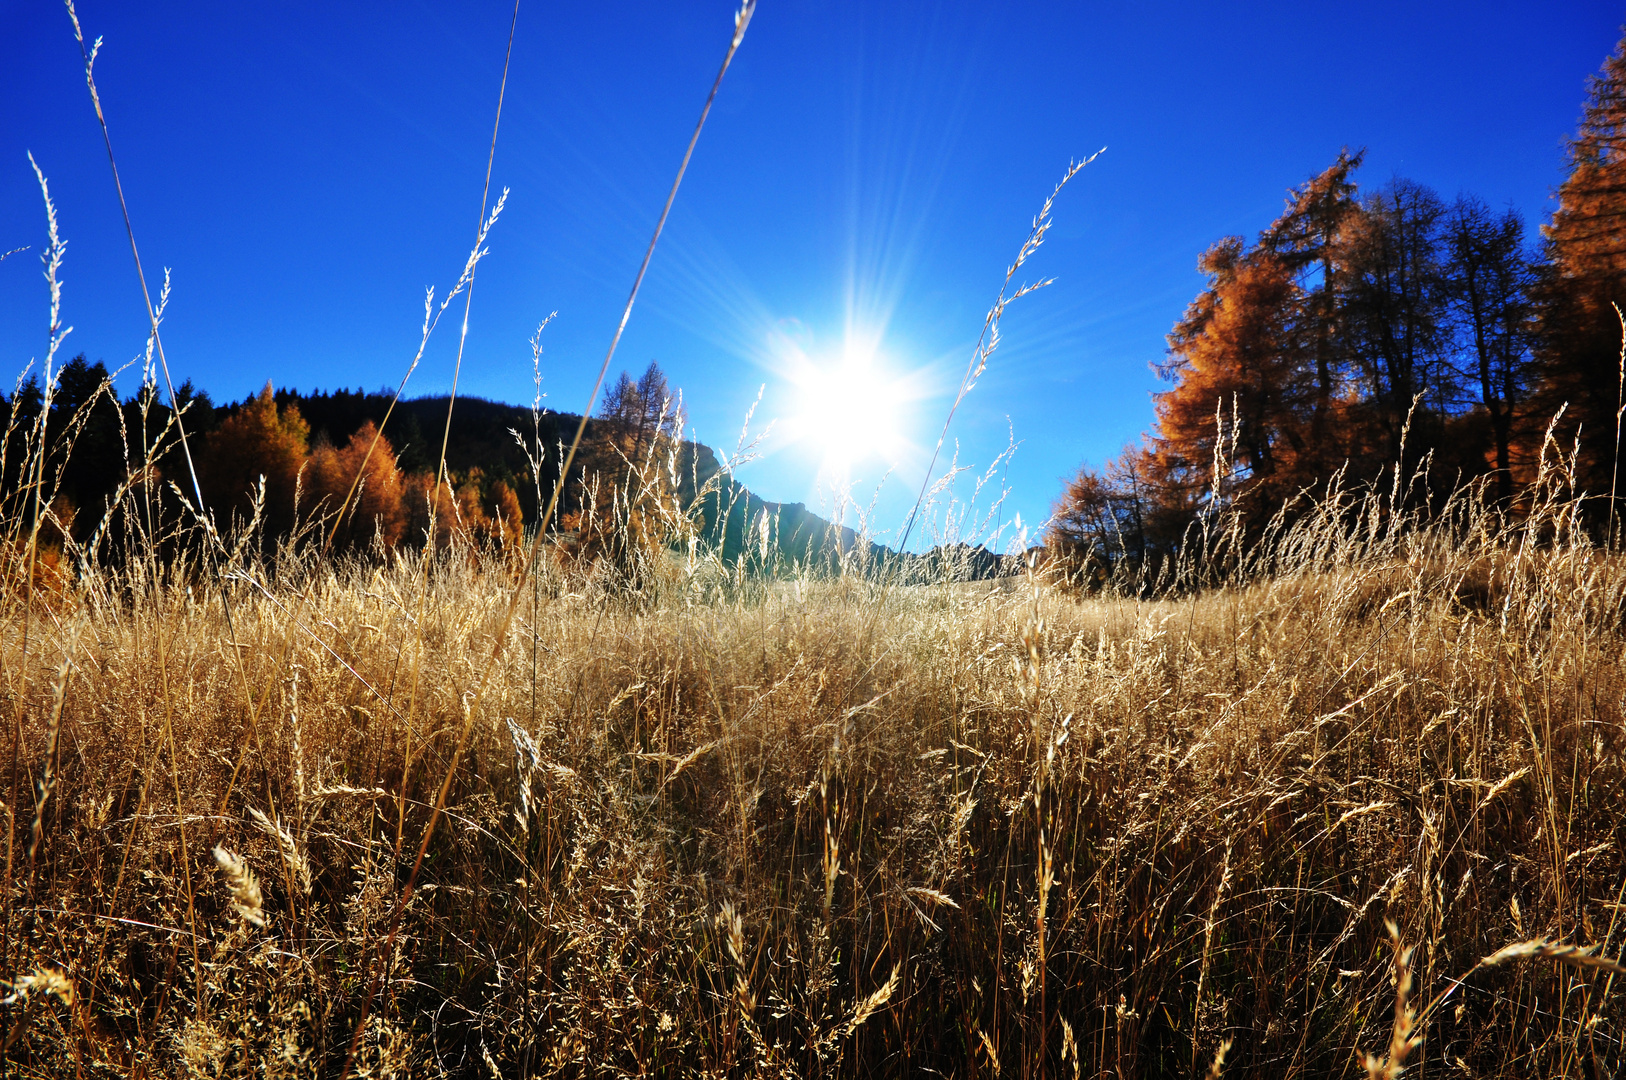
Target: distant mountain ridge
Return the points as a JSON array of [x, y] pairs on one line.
[[488, 448], [482, 437]]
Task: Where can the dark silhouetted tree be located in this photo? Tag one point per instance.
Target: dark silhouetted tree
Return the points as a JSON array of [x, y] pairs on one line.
[[1307, 238], [625, 491], [21, 434], [1098, 527], [87, 446], [430, 508], [1488, 276], [1394, 326], [642, 411]]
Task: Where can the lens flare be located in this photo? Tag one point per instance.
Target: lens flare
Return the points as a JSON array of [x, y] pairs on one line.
[[850, 407]]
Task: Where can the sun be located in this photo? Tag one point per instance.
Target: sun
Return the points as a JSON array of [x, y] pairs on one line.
[[851, 406]]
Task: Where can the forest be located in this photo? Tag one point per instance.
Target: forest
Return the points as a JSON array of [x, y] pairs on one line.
[[1374, 331], [1368, 332]]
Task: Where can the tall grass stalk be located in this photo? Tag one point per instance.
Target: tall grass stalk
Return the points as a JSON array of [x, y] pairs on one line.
[[471, 706]]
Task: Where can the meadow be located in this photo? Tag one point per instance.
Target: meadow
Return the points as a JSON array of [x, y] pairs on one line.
[[1338, 795], [1350, 788]]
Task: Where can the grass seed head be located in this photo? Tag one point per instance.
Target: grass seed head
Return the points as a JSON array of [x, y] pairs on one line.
[[245, 888], [41, 982]]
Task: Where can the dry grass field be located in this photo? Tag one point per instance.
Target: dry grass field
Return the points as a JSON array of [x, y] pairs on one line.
[[1337, 801], [732, 825]]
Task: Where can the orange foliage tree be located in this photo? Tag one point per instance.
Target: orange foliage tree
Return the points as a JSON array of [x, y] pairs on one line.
[[1360, 335], [1259, 365], [1244, 389], [505, 522], [377, 509], [1100, 524], [1579, 333], [477, 512], [1259, 394], [1351, 333], [258, 440]]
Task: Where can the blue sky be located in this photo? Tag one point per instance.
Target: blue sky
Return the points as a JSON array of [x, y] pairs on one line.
[[868, 172]]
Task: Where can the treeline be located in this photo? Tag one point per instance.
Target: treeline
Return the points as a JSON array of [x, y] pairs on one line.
[[281, 464], [325, 469], [1370, 329]]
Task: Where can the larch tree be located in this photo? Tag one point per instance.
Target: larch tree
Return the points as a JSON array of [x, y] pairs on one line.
[[440, 515], [1392, 289], [1579, 343], [643, 412], [1100, 523], [1379, 331], [377, 509], [1307, 238], [505, 522], [430, 508], [626, 486], [1244, 387], [258, 440]]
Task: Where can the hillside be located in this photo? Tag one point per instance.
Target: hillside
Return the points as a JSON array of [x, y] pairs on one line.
[[483, 437], [98, 437]]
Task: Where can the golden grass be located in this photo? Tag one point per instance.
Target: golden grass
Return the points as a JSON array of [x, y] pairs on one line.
[[703, 820], [829, 826]]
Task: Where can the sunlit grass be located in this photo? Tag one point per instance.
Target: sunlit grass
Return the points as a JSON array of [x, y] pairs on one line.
[[1352, 789], [712, 821]]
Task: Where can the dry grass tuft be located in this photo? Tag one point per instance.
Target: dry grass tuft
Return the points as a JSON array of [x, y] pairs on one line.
[[41, 982], [245, 888], [1402, 1038]]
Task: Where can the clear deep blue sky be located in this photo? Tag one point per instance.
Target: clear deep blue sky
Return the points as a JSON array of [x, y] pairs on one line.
[[870, 168]]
